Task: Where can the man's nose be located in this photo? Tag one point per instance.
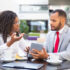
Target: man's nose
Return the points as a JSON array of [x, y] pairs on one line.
[[51, 23]]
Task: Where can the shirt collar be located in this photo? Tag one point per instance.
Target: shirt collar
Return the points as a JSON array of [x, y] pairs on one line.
[[61, 30]]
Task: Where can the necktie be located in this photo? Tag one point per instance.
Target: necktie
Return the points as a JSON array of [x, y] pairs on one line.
[[56, 43]]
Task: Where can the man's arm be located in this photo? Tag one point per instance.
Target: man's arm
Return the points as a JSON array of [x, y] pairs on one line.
[[64, 55]]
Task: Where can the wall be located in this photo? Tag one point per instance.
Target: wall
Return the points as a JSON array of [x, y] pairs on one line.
[[14, 6], [9, 5]]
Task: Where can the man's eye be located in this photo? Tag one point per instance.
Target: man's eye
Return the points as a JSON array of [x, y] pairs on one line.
[[54, 20]]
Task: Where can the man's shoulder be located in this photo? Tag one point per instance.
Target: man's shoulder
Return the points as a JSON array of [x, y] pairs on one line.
[[68, 29], [67, 32]]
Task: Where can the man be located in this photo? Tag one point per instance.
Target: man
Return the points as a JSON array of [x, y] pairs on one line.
[[58, 39]]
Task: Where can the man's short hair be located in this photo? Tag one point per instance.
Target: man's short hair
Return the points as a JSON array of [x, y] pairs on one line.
[[60, 12]]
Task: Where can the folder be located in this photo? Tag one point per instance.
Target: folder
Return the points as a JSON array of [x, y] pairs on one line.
[[23, 65]]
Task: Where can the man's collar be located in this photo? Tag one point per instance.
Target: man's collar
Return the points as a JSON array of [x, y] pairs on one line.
[[61, 30]]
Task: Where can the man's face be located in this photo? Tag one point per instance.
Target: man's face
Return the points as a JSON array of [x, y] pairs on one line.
[[55, 21]]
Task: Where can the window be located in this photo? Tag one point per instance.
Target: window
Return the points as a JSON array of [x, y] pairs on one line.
[[33, 8]]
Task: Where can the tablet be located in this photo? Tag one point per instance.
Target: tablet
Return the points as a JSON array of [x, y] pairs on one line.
[[36, 46]]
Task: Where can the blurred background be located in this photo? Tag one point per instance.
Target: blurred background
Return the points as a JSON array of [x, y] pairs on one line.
[[34, 16]]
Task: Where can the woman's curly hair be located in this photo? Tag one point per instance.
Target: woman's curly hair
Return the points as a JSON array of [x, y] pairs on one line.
[[7, 19]]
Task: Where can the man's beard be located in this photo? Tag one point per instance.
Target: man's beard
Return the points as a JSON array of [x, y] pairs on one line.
[[57, 28]]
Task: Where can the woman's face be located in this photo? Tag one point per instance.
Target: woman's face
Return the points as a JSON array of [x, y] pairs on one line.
[[16, 25]]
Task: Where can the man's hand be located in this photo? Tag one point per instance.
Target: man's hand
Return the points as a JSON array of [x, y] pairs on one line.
[[27, 49], [39, 54]]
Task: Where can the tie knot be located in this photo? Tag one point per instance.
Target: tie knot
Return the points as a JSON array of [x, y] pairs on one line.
[[57, 33]]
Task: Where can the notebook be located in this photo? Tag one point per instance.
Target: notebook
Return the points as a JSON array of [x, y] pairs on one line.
[[23, 65]]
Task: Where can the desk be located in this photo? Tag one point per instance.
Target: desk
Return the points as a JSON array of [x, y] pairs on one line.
[[64, 66]]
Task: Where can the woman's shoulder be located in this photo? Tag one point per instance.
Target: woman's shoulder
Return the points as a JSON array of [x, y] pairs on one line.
[[1, 36], [1, 39]]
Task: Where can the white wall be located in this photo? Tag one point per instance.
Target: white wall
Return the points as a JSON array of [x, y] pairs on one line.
[[58, 7], [14, 6], [33, 16], [32, 1], [9, 5]]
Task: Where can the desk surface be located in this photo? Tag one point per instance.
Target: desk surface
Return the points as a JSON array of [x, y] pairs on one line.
[[64, 66]]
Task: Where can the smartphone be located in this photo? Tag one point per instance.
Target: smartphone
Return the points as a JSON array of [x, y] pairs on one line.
[[25, 36], [17, 33], [36, 46]]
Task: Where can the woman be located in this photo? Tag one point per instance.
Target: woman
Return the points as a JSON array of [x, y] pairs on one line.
[[10, 43]]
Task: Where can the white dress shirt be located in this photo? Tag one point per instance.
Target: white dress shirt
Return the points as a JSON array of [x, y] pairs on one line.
[[60, 32], [10, 52]]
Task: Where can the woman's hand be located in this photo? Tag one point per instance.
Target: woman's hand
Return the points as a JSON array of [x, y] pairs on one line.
[[14, 38]]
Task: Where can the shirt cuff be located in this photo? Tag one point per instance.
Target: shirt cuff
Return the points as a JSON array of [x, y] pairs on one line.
[[4, 46]]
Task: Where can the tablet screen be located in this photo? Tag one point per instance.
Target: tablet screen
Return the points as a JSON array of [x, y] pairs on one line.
[[35, 46]]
